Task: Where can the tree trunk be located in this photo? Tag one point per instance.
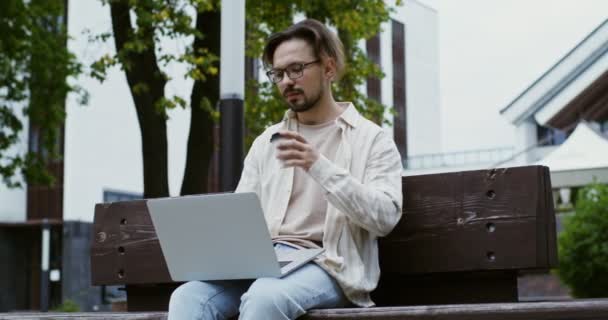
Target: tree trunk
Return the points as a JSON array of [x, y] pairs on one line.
[[200, 139], [142, 68], [347, 83]]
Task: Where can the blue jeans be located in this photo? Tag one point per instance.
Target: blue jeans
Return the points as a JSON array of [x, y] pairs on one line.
[[266, 298]]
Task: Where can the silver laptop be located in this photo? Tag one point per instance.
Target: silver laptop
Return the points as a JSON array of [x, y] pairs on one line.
[[219, 237]]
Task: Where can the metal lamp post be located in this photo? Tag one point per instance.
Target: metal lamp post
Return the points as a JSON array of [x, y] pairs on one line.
[[232, 88]]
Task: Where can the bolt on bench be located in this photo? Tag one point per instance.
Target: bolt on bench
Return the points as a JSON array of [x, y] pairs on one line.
[[463, 239]]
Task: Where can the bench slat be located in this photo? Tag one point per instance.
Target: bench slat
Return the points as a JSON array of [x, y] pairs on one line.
[[475, 220], [126, 225], [592, 309]]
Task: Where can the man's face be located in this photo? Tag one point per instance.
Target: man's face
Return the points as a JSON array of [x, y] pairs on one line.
[[303, 93]]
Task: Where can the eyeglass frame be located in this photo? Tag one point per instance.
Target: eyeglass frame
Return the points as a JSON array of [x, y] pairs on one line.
[[285, 70]]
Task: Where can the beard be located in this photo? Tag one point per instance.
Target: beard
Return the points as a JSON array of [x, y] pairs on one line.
[[303, 102]]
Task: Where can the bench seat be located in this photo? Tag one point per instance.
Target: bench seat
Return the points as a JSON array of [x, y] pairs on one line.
[[592, 309]]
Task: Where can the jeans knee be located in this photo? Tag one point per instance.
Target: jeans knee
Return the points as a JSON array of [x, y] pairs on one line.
[[193, 300], [183, 296], [265, 297]]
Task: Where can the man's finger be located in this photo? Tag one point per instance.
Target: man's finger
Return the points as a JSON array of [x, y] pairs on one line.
[[292, 135], [291, 144], [290, 154], [294, 163]]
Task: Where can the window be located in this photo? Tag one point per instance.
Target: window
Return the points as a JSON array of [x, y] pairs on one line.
[[550, 136], [115, 196], [604, 127]]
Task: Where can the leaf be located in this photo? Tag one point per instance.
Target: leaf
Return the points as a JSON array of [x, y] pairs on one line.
[[583, 244], [35, 66], [355, 21]]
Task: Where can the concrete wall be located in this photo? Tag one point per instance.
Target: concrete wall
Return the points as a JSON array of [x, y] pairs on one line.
[[76, 267], [526, 137], [13, 201], [422, 76]]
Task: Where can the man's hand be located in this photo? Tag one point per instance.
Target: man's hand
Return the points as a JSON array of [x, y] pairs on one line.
[[294, 151]]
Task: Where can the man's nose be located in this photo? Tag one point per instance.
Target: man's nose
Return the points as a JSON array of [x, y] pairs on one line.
[[286, 81]]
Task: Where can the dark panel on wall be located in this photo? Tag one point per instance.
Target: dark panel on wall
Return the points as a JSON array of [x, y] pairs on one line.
[[374, 85], [47, 201], [399, 87]]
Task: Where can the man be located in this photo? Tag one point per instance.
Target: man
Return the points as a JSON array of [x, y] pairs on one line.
[[333, 179]]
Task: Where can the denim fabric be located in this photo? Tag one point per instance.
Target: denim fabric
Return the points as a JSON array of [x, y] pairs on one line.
[[266, 298]]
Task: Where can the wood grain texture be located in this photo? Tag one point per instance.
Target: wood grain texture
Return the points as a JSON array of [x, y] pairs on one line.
[[593, 309], [85, 316], [563, 310], [125, 249], [475, 220]]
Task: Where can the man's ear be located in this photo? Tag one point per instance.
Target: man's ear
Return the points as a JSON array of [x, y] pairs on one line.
[[329, 68]]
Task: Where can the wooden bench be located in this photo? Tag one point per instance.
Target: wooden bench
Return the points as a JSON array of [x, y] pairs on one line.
[[463, 239], [592, 309]]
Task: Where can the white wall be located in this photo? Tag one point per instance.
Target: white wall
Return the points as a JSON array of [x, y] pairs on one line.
[[526, 137], [103, 144], [422, 75], [13, 201]]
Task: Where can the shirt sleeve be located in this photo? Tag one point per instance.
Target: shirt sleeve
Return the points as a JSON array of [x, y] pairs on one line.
[[375, 203]]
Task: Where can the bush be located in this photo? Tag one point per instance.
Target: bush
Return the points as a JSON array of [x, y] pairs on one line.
[[583, 244], [67, 306]]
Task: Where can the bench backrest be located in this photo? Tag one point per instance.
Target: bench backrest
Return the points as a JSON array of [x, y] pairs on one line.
[[464, 237]]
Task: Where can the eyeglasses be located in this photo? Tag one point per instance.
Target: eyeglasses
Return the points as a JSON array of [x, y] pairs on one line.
[[294, 71]]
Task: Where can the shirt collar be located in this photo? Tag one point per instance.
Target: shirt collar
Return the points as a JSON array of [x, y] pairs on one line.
[[350, 116]]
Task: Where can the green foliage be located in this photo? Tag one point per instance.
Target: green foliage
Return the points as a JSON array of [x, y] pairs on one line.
[[67, 306], [583, 244], [354, 20], [140, 30], [35, 67], [157, 20]]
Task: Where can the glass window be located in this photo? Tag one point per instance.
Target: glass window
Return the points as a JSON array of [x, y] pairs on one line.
[[115, 196], [550, 136]]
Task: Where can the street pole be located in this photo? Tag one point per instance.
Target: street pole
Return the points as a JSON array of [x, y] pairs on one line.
[[232, 88], [44, 266]]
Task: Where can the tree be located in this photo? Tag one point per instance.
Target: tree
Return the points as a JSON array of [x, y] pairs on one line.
[[354, 20], [35, 66], [138, 53], [26, 27], [583, 244]]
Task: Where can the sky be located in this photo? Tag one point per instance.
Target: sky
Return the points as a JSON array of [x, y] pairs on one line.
[[492, 50]]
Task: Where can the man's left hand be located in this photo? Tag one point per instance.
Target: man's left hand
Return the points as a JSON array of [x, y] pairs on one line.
[[294, 151]]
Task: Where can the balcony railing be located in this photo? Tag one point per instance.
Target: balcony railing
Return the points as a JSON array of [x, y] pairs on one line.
[[457, 159]]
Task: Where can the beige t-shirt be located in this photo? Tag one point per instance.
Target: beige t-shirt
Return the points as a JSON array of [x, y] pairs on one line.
[[305, 217]]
